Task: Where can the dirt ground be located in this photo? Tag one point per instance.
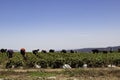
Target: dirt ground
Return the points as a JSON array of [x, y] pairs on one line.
[[61, 74]]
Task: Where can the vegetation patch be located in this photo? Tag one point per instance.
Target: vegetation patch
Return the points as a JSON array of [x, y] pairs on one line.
[[57, 60], [42, 74]]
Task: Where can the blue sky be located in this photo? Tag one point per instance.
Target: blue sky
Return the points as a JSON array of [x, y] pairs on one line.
[[59, 24]]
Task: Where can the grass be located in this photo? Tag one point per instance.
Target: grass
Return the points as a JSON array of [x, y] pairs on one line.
[[80, 74], [41, 74], [2, 76], [92, 72]]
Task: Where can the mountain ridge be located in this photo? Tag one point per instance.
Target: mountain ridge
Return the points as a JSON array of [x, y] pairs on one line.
[[113, 48]]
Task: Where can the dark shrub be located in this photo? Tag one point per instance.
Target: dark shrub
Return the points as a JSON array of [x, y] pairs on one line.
[[58, 63], [42, 63], [116, 62]]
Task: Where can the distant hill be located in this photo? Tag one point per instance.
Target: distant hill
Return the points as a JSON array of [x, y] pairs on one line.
[[115, 48]]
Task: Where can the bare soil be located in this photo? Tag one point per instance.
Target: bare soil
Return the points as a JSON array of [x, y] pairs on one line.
[[62, 74]]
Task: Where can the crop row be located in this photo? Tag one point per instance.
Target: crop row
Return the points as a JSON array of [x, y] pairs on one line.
[[57, 60]]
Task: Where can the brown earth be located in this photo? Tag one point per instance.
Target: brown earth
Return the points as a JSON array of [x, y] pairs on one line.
[[22, 74]]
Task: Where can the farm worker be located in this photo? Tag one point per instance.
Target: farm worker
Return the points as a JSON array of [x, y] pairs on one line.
[[35, 52], [10, 53], [23, 51]]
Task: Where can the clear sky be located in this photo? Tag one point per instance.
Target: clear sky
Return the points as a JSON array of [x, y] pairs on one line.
[[59, 24]]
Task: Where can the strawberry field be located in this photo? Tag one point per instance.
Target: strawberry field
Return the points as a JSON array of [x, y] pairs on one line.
[[57, 60]]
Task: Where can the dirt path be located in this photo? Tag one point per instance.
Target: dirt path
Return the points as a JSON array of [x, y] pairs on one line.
[[22, 74], [32, 70], [56, 70]]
